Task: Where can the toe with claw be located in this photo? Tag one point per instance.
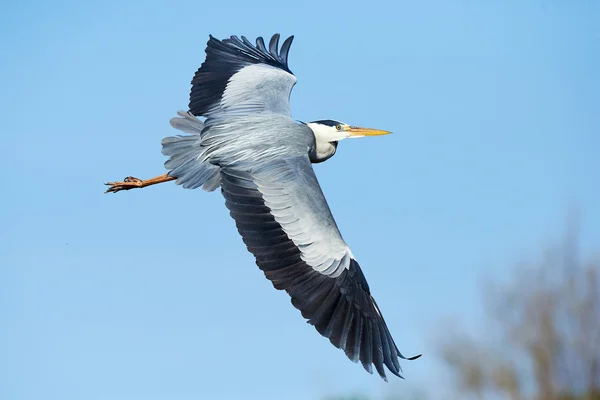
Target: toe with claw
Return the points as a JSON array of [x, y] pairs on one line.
[[128, 183]]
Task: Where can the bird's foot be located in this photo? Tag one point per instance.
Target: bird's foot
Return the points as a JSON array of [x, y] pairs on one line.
[[134, 183], [128, 183]]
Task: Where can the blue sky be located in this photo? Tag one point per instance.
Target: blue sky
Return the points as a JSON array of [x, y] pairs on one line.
[[495, 109]]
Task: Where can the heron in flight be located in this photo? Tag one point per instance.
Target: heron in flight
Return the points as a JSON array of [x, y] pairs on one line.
[[248, 145]]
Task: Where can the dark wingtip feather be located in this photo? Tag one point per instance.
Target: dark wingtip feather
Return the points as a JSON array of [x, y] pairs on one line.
[[366, 345], [388, 357], [260, 44], [378, 356], [246, 41], [285, 49], [274, 45]]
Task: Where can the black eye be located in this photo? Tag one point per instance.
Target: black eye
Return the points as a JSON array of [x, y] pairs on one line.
[[338, 127]]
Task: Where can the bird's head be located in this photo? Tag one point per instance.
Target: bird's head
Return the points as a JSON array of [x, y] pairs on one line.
[[329, 132]]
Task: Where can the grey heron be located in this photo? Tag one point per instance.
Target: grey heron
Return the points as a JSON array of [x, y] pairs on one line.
[[249, 146]]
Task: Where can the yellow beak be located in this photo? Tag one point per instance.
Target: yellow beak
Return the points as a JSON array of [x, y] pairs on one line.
[[356, 131]]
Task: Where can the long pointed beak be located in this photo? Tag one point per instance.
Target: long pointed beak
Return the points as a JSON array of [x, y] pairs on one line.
[[357, 131]]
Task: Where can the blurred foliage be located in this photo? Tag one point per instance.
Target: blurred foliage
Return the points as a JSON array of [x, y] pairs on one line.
[[362, 397], [542, 340]]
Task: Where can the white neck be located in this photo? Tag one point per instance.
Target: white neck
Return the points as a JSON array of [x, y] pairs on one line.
[[324, 136]]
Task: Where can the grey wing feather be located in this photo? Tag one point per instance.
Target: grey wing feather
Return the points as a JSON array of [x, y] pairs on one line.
[[291, 190], [184, 153], [305, 255], [186, 122]]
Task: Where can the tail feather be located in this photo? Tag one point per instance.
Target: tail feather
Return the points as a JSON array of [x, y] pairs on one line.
[[186, 122], [185, 153]]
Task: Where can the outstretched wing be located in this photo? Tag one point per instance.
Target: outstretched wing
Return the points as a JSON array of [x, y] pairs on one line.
[[284, 219], [240, 78]]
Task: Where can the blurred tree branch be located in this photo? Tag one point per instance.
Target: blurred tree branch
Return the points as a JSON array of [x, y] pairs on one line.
[[544, 341]]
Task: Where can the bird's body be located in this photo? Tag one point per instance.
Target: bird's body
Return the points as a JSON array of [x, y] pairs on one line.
[[250, 147]]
